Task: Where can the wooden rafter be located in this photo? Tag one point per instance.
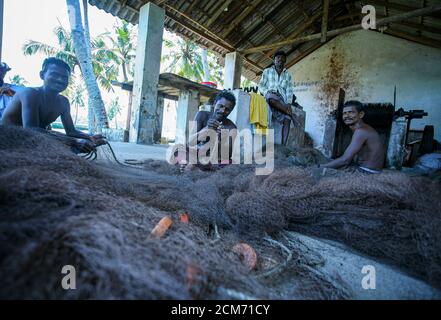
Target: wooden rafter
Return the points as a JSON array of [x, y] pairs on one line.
[[401, 7], [325, 16], [209, 36], [298, 32], [238, 20], [419, 27], [304, 54], [218, 13], [191, 7], [274, 11]]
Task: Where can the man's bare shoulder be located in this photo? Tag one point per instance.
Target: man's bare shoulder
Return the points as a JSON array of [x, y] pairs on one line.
[[229, 124], [28, 92], [367, 132], [202, 116]]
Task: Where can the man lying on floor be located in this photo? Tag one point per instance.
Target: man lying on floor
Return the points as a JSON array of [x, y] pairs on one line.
[[37, 108], [211, 123], [365, 148]]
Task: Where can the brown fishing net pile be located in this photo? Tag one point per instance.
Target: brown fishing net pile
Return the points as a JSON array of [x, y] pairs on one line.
[[57, 209]]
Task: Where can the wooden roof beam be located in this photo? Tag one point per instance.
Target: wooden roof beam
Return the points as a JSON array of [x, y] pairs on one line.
[[401, 7], [325, 16], [420, 27], [298, 32]]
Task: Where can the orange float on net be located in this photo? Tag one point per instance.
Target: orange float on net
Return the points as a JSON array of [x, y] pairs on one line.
[[184, 217], [246, 254], [163, 225]]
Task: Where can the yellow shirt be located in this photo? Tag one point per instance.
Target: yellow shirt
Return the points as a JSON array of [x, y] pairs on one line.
[[259, 113]]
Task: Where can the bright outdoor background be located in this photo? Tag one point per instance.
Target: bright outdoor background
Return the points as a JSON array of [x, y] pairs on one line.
[[33, 23]]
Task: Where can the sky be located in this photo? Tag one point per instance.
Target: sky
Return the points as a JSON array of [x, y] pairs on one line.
[[35, 19]]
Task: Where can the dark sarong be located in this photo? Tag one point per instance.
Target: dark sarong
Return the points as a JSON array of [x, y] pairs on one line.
[[276, 114]]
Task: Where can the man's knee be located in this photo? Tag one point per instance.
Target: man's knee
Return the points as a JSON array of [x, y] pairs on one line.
[[272, 102]]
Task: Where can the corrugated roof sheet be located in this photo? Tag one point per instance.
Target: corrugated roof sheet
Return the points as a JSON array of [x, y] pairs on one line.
[[228, 25]]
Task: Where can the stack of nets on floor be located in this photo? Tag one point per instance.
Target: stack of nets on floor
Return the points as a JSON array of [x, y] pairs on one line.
[[58, 209]]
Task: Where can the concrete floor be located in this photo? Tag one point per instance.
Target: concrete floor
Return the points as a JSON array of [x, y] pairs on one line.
[[133, 151], [346, 265]]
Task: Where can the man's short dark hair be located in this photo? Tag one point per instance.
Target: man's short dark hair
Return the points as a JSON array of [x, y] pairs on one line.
[[55, 61], [279, 53], [227, 95], [354, 103]]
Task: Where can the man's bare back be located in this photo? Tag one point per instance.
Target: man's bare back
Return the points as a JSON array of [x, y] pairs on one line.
[[47, 109]]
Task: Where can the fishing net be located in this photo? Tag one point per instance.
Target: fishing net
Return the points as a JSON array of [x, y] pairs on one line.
[[59, 209]]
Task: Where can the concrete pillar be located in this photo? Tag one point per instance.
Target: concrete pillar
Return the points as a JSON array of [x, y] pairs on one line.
[[188, 106], [241, 112], [241, 118], [145, 86], [233, 70]]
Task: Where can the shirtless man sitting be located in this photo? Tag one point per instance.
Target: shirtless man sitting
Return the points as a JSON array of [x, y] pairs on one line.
[[37, 108], [366, 146], [207, 122]]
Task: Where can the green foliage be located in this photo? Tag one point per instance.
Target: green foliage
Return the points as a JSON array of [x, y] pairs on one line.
[[18, 80], [185, 59], [114, 109], [106, 59], [247, 83]]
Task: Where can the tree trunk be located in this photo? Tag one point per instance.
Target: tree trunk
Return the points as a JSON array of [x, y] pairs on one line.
[[91, 124], [205, 65], [76, 114], [82, 51]]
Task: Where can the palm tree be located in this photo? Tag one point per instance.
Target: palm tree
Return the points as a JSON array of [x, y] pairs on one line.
[[83, 52], [187, 59], [76, 97], [64, 50], [120, 54], [114, 110], [184, 59], [122, 48], [18, 80]]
